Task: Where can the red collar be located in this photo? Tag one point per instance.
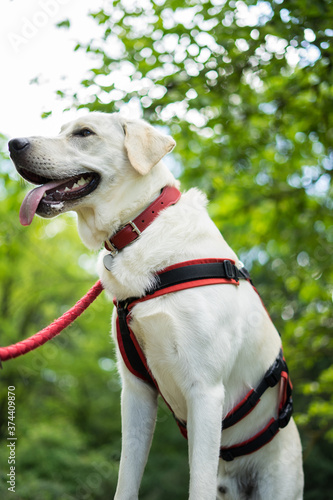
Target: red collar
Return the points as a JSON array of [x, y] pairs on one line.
[[132, 230]]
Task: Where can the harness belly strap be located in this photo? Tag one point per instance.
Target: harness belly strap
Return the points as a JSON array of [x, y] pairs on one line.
[[192, 274]]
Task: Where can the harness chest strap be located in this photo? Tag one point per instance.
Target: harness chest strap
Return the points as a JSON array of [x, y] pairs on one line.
[[189, 275]]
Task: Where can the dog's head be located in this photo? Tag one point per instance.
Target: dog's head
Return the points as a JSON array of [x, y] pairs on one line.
[[83, 161]]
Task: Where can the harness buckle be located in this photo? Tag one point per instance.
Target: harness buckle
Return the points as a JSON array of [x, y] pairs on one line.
[[273, 374], [229, 270], [285, 414]]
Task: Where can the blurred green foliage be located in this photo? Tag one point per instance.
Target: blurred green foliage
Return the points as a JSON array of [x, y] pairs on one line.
[[246, 89]]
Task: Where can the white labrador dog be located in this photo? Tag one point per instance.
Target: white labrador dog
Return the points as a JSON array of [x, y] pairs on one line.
[[207, 346]]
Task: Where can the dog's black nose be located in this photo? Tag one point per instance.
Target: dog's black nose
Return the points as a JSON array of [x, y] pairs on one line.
[[18, 145]]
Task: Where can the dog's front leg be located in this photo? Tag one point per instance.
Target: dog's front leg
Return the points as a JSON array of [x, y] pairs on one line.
[[204, 435], [138, 408]]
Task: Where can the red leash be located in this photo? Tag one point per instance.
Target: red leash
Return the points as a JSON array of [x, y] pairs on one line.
[[15, 350], [129, 233]]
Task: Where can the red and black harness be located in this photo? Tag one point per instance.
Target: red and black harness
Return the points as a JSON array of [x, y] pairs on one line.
[[193, 274]]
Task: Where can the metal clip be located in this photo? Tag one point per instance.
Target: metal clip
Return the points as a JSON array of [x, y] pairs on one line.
[[108, 258], [113, 250]]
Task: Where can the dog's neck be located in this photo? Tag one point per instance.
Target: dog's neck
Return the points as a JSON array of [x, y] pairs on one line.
[[120, 204]]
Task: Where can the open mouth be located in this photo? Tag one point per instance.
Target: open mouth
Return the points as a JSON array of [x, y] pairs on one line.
[[53, 194], [71, 189]]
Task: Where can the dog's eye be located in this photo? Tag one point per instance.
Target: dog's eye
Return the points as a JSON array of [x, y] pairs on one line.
[[84, 132]]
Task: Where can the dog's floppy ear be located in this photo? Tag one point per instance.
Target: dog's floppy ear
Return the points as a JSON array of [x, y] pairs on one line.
[[145, 146]]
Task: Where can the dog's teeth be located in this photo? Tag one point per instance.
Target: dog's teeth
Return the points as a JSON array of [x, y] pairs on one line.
[[75, 186], [66, 189], [81, 182]]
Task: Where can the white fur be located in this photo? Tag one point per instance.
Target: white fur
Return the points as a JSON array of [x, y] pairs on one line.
[[205, 346]]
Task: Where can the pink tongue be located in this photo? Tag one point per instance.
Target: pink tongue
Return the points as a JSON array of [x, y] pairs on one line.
[[31, 202]]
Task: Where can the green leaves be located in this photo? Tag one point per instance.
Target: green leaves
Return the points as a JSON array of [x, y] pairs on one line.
[[64, 24]]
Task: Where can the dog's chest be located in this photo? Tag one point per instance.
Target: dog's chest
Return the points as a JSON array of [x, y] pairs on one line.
[[181, 351], [163, 349]]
